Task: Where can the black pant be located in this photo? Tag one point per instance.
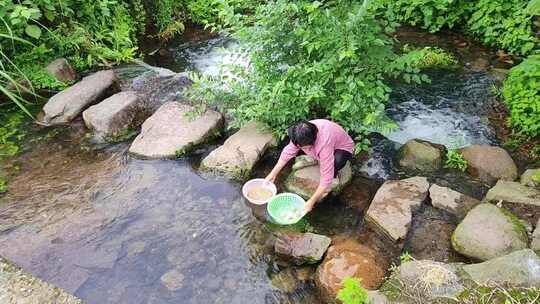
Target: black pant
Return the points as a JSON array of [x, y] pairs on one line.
[[340, 159]]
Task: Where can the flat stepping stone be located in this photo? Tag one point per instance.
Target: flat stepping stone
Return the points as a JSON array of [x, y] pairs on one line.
[[68, 104], [488, 232], [451, 201], [240, 152], [517, 269], [172, 131], [114, 116], [391, 209], [513, 192]]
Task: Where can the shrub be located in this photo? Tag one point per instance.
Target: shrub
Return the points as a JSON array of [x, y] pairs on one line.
[[310, 59], [3, 185], [431, 15], [431, 57], [506, 24], [521, 93], [352, 292], [455, 160]]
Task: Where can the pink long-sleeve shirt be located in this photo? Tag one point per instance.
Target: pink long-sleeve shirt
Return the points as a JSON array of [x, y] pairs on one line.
[[330, 137]]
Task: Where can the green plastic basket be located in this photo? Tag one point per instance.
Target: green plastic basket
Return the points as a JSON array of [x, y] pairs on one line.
[[286, 208]]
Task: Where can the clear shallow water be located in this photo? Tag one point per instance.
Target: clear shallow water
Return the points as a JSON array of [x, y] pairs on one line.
[[107, 227]]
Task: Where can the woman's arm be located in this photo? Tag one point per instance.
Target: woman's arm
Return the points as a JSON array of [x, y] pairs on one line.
[[326, 164], [288, 153]]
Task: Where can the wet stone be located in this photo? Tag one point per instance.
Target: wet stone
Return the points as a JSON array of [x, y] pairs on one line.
[[535, 244], [391, 210], [114, 116], [135, 248], [489, 164], [240, 152], [302, 248], [513, 192], [285, 281], [421, 155], [451, 201], [68, 104], [517, 269], [348, 258], [305, 180], [170, 132], [488, 232]]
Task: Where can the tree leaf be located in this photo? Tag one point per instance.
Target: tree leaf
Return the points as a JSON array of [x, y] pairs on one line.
[[33, 31]]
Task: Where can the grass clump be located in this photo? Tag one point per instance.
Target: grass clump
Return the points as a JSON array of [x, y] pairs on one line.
[[353, 292], [3, 185], [455, 160]]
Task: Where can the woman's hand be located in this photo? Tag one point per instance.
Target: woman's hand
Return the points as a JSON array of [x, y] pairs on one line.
[[309, 205], [271, 178]]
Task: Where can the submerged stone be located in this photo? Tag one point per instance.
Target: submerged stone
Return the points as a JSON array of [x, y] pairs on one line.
[[451, 201], [513, 192], [302, 248], [170, 132], [68, 104], [488, 232], [489, 164], [391, 209], [240, 152], [517, 269], [114, 116], [421, 155], [349, 259], [173, 280]]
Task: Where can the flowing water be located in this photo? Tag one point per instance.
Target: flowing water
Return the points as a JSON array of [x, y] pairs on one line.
[[108, 227]]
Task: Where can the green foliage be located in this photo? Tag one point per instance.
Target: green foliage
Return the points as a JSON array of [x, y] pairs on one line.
[[10, 133], [536, 178], [521, 93], [405, 257], [499, 295], [3, 185], [208, 12], [430, 57], [352, 292], [455, 160], [311, 59], [431, 15], [505, 24]]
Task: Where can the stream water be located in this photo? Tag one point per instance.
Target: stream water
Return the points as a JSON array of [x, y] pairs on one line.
[[107, 227]]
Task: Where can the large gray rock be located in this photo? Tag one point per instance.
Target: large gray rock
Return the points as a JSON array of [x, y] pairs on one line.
[[489, 164], [170, 132], [513, 192], [421, 155], [62, 70], [349, 258], [66, 105], [452, 201], [488, 232], [517, 269], [114, 116], [240, 152], [305, 181], [302, 248], [535, 244], [391, 209], [428, 280], [527, 178]]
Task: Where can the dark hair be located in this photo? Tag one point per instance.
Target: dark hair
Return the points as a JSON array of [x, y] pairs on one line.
[[303, 134]]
